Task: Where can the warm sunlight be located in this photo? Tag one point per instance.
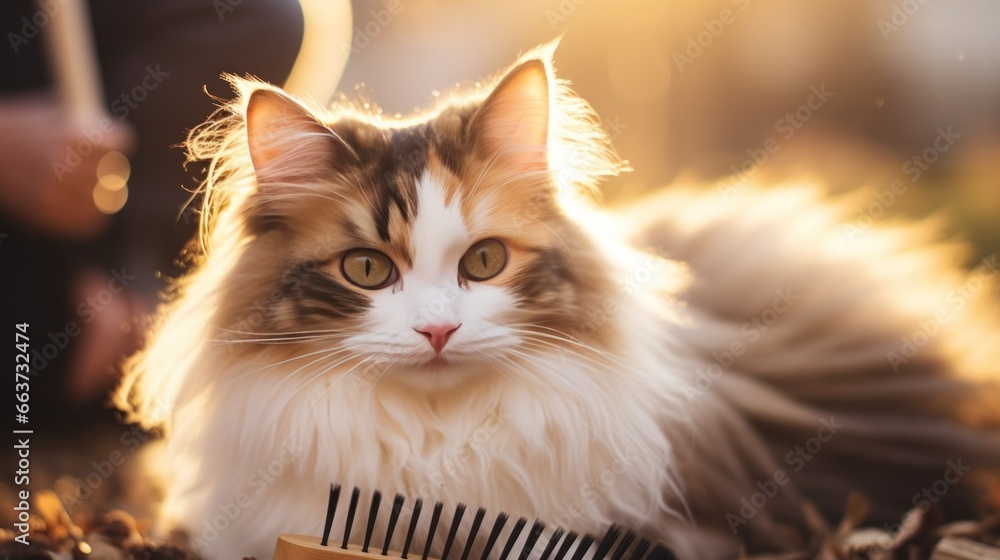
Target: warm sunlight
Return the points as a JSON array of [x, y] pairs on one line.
[[498, 279]]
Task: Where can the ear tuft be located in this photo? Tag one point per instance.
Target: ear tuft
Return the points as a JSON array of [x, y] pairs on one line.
[[513, 122]]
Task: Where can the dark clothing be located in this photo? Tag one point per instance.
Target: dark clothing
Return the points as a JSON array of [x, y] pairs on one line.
[[156, 59]]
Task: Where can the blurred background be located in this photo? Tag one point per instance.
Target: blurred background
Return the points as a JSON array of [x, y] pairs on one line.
[[694, 90], [898, 100]]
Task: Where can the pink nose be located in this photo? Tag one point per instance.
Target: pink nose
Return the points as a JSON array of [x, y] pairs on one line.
[[438, 335]]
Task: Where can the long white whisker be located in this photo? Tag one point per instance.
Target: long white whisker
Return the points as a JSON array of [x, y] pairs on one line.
[[275, 340], [561, 337], [321, 358], [509, 361], [316, 376], [331, 352], [340, 378], [316, 331]]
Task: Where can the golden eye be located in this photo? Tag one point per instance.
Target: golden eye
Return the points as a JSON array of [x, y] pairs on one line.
[[484, 260], [367, 268]]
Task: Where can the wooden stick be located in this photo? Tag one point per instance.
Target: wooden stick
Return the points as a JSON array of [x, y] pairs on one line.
[[73, 59], [326, 44]]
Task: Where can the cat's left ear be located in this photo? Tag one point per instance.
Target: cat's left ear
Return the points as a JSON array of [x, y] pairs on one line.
[[513, 123], [286, 141]]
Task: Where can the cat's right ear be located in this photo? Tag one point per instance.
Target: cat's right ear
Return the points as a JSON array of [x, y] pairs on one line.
[[287, 142], [513, 123]]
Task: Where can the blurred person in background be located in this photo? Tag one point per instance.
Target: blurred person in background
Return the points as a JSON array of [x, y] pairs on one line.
[[85, 280]]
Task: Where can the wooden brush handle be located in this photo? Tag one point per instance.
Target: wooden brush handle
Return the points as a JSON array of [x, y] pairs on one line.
[[326, 44], [302, 547], [74, 60]]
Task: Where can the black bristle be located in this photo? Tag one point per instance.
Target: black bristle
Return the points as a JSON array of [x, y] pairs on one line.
[[512, 538], [553, 541], [529, 543], [609, 540], [331, 508], [616, 538], [494, 535], [640, 549], [372, 515], [351, 510], [456, 520], [417, 506], [435, 517], [662, 552], [567, 542], [397, 506], [623, 546], [473, 532], [585, 544]]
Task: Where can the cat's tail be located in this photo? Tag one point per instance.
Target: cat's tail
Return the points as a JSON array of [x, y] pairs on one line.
[[866, 357]]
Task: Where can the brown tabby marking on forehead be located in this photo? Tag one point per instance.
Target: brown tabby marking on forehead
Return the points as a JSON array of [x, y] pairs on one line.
[[389, 163], [452, 136]]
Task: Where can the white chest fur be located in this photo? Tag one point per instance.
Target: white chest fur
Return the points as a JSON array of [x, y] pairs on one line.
[[562, 441]]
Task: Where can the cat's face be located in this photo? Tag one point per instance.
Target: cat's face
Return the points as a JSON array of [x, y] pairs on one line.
[[426, 250]]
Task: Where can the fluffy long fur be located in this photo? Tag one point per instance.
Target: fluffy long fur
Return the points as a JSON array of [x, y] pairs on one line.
[[634, 415]]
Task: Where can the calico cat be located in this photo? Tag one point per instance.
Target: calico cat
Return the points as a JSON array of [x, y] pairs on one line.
[[438, 307]]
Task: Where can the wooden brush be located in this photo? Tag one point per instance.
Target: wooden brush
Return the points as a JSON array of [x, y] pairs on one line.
[[617, 543]]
